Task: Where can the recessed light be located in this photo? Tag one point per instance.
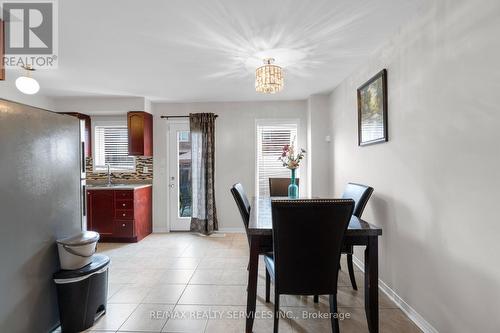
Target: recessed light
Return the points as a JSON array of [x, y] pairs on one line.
[[26, 84]]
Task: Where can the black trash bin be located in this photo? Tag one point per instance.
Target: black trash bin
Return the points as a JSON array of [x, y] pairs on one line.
[[82, 294]]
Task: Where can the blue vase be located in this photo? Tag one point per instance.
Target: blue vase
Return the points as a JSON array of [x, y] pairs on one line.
[[293, 189]]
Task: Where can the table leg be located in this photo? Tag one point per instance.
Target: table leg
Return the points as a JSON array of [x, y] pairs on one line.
[[371, 284], [253, 271]]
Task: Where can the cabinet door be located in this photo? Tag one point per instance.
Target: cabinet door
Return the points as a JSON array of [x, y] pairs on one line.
[[140, 133], [102, 211], [135, 122]]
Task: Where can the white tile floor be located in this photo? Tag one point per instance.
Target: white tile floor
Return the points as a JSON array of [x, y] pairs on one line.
[[180, 282]]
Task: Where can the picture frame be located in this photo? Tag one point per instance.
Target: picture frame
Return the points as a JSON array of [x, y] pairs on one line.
[[372, 110]]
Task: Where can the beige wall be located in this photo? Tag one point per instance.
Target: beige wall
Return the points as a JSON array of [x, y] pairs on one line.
[[318, 148], [235, 150], [101, 105], [437, 181], [9, 92]]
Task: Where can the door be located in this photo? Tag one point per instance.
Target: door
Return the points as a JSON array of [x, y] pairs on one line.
[[101, 204], [179, 179]]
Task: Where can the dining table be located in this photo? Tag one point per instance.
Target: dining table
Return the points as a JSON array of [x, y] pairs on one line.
[[358, 233]]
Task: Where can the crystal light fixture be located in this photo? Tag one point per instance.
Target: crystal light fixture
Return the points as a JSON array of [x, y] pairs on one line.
[[27, 84], [269, 78]]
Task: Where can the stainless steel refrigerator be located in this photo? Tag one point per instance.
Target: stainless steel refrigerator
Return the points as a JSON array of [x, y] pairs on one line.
[[83, 176], [40, 201]]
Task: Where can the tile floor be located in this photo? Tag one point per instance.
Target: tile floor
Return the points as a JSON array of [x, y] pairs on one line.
[[180, 282]]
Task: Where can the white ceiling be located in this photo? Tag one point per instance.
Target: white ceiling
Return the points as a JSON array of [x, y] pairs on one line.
[[207, 50]]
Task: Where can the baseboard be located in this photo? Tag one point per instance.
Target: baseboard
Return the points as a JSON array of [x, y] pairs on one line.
[[222, 230], [231, 230], [414, 316]]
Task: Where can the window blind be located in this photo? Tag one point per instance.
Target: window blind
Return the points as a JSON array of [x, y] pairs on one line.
[[270, 141], [111, 147]]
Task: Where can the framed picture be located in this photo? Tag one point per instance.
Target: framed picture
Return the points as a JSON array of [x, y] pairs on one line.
[[372, 110]]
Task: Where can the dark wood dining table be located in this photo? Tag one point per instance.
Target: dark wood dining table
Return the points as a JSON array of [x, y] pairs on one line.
[[359, 233]]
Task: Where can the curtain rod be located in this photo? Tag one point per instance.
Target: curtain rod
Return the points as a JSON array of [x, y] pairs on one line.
[[166, 117]]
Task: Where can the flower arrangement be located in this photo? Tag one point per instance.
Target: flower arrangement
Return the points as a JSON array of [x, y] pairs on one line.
[[290, 159]]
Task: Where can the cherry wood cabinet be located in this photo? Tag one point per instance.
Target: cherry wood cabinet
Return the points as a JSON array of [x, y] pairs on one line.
[[101, 211], [120, 215], [140, 133], [88, 130]]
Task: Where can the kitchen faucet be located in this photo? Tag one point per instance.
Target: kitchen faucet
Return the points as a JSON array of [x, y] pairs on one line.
[[109, 174]]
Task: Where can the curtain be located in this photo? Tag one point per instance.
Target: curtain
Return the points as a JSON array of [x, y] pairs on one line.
[[204, 214]]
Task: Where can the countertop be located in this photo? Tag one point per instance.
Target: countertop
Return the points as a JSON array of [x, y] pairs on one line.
[[116, 186]]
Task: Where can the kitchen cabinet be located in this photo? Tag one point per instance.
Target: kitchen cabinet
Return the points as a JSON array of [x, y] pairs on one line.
[[88, 129], [140, 133], [123, 215], [101, 211]]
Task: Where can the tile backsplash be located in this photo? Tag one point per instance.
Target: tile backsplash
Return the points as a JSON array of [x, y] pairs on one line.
[[139, 176]]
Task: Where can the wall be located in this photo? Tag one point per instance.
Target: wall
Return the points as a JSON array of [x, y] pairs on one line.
[[9, 92], [235, 150], [437, 180], [101, 106], [318, 148]]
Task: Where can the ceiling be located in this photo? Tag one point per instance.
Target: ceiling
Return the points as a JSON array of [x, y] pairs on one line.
[[207, 50]]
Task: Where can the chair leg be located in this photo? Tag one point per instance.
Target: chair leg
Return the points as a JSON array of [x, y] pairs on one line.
[[268, 287], [316, 298], [333, 314], [351, 271], [276, 311]]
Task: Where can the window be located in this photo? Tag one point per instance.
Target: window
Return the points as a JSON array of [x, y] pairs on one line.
[[271, 137], [184, 136], [111, 147]]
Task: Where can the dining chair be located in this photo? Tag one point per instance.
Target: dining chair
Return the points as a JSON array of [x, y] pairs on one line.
[[360, 194], [278, 187], [243, 205], [307, 241]]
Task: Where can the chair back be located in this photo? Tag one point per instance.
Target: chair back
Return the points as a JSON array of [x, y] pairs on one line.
[[307, 238], [241, 199], [278, 187], [360, 194]]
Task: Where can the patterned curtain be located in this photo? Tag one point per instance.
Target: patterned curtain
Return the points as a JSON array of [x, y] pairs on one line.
[[204, 215]]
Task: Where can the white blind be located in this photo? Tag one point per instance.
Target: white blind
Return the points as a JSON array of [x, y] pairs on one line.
[[270, 141], [111, 147]]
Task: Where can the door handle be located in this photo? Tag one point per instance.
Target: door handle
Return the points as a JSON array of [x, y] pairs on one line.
[[171, 185]]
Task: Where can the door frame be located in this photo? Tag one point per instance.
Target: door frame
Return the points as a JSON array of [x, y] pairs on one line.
[[170, 155]]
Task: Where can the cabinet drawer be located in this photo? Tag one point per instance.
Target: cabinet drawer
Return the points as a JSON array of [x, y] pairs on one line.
[[123, 228], [124, 204], [124, 194], [124, 214]]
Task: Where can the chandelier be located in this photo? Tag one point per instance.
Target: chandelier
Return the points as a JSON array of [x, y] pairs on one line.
[[269, 78]]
